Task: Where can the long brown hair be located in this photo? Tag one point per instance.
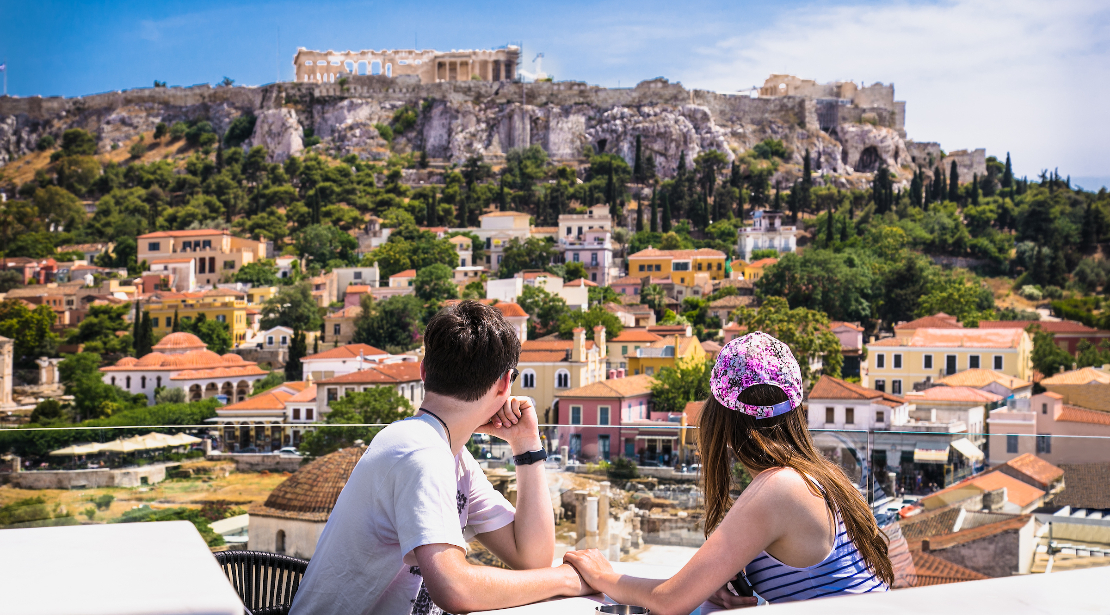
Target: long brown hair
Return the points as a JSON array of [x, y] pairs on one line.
[[781, 442]]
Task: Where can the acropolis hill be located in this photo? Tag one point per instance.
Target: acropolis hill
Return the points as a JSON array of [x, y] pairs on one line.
[[849, 130]]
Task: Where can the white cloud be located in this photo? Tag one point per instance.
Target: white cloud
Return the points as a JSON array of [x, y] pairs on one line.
[[1024, 76]]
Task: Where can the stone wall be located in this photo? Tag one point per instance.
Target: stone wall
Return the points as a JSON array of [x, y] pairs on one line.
[[90, 479], [257, 462]]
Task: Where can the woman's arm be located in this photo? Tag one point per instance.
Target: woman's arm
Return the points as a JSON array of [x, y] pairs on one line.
[[755, 521]]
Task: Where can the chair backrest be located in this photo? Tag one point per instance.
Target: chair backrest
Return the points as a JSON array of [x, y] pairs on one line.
[[266, 582]]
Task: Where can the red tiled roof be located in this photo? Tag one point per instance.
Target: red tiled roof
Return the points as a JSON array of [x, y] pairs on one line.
[[542, 356], [1038, 470], [351, 311], [407, 273], [1084, 375], [1086, 485], [979, 378], [951, 393], [693, 411], [946, 541], [932, 570], [957, 338], [763, 262], [626, 281], [192, 233], [1062, 326], [931, 523], [617, 388], [311, 492], [580, 282], [636, 335], [699, 253], [405, 371], [349, 351], [267, 400], [940, 320], [836, 324], [508, 309], [1075, 414], [307, 395], [1017, 492], [357, 289], [545, 344]]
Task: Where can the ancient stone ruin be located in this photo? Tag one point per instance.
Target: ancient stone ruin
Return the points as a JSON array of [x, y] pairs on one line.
[[429, 65]]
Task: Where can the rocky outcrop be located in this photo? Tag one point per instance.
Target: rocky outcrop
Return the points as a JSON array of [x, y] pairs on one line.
[[18, 137], [866, 147], [279, 132]]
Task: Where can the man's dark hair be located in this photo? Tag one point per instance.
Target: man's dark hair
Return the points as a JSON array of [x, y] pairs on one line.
[[467, 348]]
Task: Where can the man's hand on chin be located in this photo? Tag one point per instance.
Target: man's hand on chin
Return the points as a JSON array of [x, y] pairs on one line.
[[515, 423]]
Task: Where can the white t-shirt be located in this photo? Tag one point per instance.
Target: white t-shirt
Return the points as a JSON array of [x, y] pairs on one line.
[[405, 492]]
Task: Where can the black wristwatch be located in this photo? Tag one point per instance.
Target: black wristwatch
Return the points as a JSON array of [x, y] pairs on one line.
[[527, 459]]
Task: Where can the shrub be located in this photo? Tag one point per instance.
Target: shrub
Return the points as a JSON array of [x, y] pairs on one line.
[[1031, 292], [45, 143], [310, 137], [240, 130], [104, 501], [1053, 292], [178, 130], [764, 253], [623, 468], [404, 118], [385, 131], [137, 149], [194, 133], [160, 130]]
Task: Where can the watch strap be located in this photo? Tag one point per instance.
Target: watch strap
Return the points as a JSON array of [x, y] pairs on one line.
[[530, 457]]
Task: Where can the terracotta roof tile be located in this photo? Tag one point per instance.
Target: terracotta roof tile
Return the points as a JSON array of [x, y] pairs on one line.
[[957, 338], [693, 411], [932, 570], [626, 281], [931, 523], [979, 378], [836, 324], [940, 320], [732, 301], [953, 393], [351, 311], [1075, 414], [1086, 375], [1038, 471], [268, 400], [946, 541], [763, 262], [1062, 326], [699, 253], [192, 233], [508, 309], [1017, 492], [636, 335], [312, 491], [617, 388], [579, 282], [734, 282], [1086, 485], [408, 273], [350, 351], [405, 371], [307, 395], [542, 356]]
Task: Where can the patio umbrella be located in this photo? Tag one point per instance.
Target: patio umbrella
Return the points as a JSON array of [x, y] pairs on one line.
[[183, 439], [65, 452], [156, 440], [78, 449], [128, 445]]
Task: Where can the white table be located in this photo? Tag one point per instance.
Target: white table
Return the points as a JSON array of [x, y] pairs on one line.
[[160, 568], [586, 605]]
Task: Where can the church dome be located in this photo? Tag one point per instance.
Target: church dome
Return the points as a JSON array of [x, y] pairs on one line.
[[153, 359], [126, 362], [232, 359], [179, 342], [312, 491]]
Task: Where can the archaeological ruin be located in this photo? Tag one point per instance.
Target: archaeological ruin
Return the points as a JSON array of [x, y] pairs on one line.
[[429, 65], [840, 97]]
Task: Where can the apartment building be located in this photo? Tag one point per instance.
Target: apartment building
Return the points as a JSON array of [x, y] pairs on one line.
[[215, 305], [549, 367], [896, 364], [217, 254], [678, 265]]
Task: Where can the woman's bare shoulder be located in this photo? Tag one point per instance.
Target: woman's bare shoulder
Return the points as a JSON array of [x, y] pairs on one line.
[[784, 482]]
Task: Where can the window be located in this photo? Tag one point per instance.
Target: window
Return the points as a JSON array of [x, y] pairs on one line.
[[201, 262], [603, 446], [576, 257], [896, 387], [950, 364], [284, 340], [659, 267], [880, 416], [928, 361], [973, 362], [850, 416], [142, 380], [269, 340], [296, 414], [641, 267], [575, 445], [1011, 444], [308, 412], [1044, 444], [718, 266], [830, 415], [897, 361], [603, 415], [333, 394], [129, 383], [998, 362], [1044, 408], [680, 266], [576, 415], [229, 264], [335, 329], [113, 381], [562, 379], [221, 318], [154, 322], [154, 246], [880, 384], [528, 379], [880, 361], [279, 542], [650, 371], [699, 266], [358, 275], [158, 382]]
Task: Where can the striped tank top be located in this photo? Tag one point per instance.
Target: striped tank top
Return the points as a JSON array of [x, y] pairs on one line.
[[842, 572]]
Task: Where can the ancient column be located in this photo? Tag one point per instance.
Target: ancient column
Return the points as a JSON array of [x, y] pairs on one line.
[[580, 519], [603, 516], [637, 535], [591, 523], [563, 452]]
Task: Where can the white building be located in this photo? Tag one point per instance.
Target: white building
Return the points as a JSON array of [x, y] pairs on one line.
[[181, 360], [497, 229], [594, 249], [183, 271], [358, 276], [403, 376], [346, 359], [766, 233], [574, 226], [508, 289]]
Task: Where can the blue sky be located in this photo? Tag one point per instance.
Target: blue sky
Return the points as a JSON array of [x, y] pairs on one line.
[[1025, 76]]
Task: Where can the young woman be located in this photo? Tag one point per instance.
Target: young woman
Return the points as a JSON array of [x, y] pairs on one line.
[[799, 531]]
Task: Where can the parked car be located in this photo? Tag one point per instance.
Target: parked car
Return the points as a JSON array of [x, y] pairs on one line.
[[555, 460], [247, 449], [289, 450]]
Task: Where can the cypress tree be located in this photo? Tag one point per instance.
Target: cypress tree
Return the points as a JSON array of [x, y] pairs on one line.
[[638, 165], [294, 371], [316, 345], [807, 170], [137, 324], [1090, 229], [734, 178], [1040, 272], [462, 211], [778, 200], [954, 184], [654, 211], [433, 206], [503, 199], [666, 214], [830, 226], [916, 189], [176, 323], [1008, 175], [795, 202], [143, 345], [1059, 274], [610, 189], [975, 189], [649, 166], [640, 217]]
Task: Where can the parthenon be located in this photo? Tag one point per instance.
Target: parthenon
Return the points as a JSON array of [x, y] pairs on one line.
[[430, 65]]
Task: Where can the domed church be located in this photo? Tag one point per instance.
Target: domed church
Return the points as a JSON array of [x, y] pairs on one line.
[[181, 360]]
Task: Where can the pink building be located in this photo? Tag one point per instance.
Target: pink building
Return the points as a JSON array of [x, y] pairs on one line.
[[613, 418], [1043, 426], [1067, 333]]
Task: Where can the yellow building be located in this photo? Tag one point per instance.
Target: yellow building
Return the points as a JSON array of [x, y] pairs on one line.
[[626, 344], [188, 306], [551, 367], [667, 352], [679, 265], [218, 255], [258, 295], [754, 270], [895, 364]]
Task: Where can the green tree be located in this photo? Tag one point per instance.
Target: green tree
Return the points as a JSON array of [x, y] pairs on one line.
[[391, 324], [240, 129], [805, 331], [839, 284], [30, 330], [435, 283], [298, 349], [1048, 358], [92, 397], [321, 244], [574, 270], [48, 412], [954, 183], [269, 381], [674, 387], [596, 315], [532, 253], [260, 273], [377, 406], [77, 142], [543, 308], [294, 307], [214, 334]]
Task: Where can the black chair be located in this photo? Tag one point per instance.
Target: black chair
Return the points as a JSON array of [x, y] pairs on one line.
[[266, 582]]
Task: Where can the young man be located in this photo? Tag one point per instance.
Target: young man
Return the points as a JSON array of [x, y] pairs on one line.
[[396, 541]]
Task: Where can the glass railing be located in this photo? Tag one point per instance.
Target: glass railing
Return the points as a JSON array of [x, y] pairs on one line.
[[632, 491]]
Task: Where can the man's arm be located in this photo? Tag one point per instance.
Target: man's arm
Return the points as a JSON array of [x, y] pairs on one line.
[[456, 586], [529, 541]]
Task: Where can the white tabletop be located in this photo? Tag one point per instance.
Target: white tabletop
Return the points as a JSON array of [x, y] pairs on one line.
[[161, 568]]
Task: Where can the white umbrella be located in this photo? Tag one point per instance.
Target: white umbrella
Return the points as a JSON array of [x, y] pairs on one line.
[[78, 449], [156, 440], [183, 439], [122, 445]]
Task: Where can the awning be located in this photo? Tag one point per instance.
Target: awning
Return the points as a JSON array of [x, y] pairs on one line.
[[930, 452], [964, 447], [656, 437]]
